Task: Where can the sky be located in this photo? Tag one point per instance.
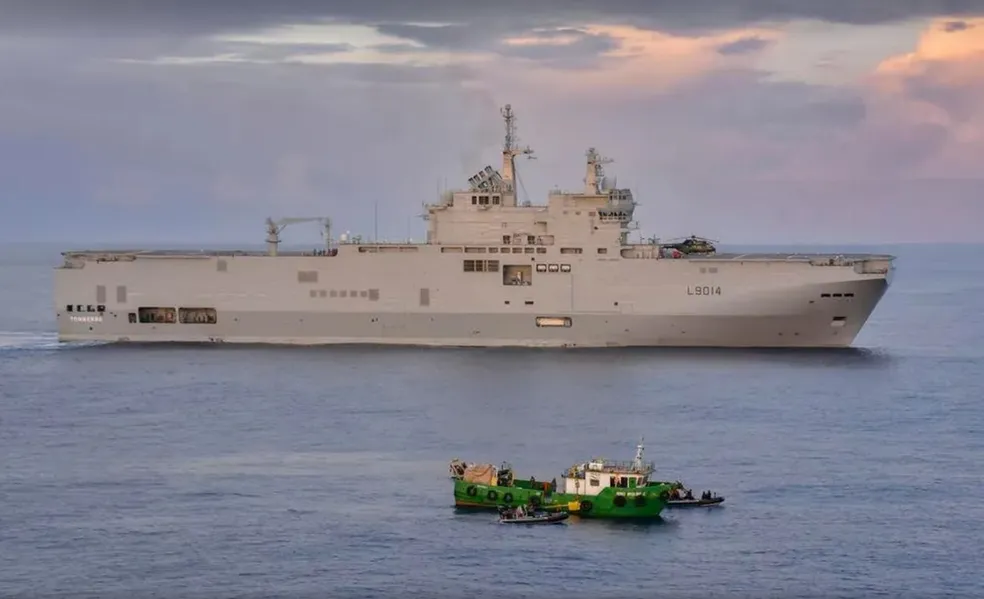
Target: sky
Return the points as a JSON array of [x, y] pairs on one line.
[[746, 121]]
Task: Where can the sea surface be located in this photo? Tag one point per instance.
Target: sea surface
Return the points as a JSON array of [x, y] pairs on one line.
[[322, 472]]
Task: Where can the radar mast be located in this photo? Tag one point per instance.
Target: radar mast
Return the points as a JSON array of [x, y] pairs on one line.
[[594, 176], [510, 150]]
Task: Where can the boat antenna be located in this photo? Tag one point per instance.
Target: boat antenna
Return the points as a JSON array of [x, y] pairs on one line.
[[511, 149], [640, 449]]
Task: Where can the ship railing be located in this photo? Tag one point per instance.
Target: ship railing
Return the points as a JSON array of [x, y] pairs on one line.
[[831, 261], [624, 466]]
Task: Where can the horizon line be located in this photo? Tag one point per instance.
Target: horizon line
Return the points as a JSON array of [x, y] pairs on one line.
[[145, 244]]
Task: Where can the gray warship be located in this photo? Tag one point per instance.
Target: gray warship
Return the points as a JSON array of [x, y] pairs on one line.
[[492, 272]]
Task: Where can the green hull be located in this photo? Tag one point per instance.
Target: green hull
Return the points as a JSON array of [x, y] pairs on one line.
[[611, 503]]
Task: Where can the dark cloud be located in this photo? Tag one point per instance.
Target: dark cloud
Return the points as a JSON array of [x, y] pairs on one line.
[[194, 17], [952, 26], [444, 37], [745, 45], [583, 52]]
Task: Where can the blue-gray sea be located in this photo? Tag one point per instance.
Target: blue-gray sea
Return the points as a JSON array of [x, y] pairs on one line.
[[269, 471]]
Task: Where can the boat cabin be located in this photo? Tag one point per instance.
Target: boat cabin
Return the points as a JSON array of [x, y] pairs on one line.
[[593, 477]]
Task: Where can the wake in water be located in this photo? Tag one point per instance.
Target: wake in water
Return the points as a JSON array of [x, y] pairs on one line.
[[23, 340]]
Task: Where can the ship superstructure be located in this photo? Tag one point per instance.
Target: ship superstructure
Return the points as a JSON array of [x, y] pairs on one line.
[[493, 271]]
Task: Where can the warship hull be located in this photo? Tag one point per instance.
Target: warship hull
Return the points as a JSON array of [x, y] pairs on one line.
[[750, 301], [493, 272]]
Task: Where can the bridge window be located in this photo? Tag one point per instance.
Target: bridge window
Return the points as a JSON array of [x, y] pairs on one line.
[[571, 250], [531, 239], [506, 239], [565, 268], [495, 200], [154, 315], [602, 250], [480, 265], [541, 268], [197, 315], [474, 200]]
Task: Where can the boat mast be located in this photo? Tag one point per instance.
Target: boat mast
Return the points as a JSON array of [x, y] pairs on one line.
[[511, 149], [640, 448]]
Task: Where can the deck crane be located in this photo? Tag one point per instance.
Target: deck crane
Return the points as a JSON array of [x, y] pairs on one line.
[[275, 227]]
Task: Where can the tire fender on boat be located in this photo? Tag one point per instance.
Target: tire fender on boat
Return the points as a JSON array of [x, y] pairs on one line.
[[507, 497], [586, 506], [492, 495], [471, 491]]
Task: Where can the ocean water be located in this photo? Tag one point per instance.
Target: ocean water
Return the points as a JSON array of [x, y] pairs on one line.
[[267, 472]]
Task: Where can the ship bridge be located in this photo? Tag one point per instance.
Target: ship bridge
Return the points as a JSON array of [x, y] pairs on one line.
[[489, 212]]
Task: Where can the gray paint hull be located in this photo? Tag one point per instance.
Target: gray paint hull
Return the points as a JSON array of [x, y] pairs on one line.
[[812, 326]]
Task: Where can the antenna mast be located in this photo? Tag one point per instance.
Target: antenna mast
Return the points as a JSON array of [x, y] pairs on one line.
[[511, 149], [594, 176], [640, 448]]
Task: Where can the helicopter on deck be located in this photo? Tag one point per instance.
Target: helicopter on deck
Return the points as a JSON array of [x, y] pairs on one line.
[[693, 245]]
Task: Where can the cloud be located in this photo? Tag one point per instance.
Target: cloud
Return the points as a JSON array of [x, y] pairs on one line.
[[561, 48], [200, 119], [744, 45], [193, 18], [952, 26]]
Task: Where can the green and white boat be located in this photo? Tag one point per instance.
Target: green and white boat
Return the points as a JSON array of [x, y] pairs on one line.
[[595, 489]]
